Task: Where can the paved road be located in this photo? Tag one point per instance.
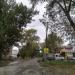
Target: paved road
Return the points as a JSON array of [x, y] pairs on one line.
[[30, 67]]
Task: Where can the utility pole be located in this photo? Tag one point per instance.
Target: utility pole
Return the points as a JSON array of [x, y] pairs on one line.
[[45, 22], [46, 33], [46, 50]]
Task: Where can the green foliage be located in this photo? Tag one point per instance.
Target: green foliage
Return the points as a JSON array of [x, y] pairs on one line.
[[28, 50], [57, 62], [30, 35], [30, 39], [59, 67], [53, 41], [23, 15], [12, 18]]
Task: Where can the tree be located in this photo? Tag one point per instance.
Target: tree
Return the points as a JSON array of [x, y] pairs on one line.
[[31, 42], [64, 9], [30, 35], [12, 18], [66, 6], [52, 27], [53, 41]]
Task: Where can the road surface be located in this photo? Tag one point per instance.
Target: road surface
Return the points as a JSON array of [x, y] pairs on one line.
[[29, 67]]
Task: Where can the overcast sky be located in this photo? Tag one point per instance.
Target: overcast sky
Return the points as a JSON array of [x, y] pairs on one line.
[[36, 24]]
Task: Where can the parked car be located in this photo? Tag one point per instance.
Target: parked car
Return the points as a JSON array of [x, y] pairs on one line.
[[58, 57], [72, 58], [50, 57]]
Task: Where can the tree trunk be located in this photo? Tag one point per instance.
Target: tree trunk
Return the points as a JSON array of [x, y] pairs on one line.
[[70, 20], [67, 15]]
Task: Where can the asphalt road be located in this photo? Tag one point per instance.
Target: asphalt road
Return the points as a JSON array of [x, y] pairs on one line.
[[29, 67]]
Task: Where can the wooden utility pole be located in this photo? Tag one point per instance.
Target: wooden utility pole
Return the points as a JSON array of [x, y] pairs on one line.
[[46, 33]]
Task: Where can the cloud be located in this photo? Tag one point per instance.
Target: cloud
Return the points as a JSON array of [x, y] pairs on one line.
[[36, 24], [41, 8], [39, 27], [25, 2]]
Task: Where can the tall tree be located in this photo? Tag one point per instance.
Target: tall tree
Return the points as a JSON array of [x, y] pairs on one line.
[[65, 25], [12, 17], [31, 42], [66, 6], [30, 35], [53, 41]]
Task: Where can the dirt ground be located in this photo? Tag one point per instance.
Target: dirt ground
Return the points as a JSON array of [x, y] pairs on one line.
[[33, 67], [22, 67]]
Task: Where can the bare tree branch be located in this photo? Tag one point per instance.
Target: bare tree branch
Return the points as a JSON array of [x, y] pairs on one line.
[[64, 1], [69, 8], [60, 6]]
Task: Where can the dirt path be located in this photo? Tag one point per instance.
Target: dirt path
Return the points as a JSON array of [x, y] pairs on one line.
[[30, 67]]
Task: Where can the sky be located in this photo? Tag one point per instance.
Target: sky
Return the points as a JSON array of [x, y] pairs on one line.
[[25, 2], [36, 24]]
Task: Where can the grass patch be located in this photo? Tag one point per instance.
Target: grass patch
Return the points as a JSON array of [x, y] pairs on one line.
[[60, 62], [56, 67]]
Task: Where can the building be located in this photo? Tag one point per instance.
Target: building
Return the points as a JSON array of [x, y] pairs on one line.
[[67, 51]]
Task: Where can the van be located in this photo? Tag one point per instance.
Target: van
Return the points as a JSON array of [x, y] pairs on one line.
[[58, 57]]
